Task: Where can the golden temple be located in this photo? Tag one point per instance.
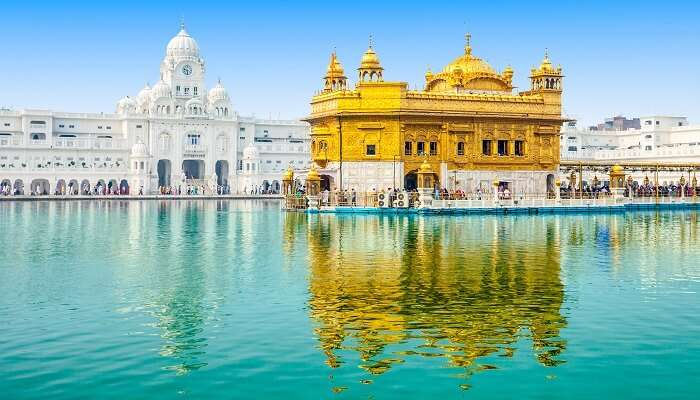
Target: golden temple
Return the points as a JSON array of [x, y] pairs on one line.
[[467, 123]]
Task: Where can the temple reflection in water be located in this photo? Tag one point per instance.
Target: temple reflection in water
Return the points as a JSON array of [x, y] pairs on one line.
[[392, 288]]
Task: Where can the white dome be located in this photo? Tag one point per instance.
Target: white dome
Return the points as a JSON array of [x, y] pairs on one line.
[[250, 152], [139, 149], [218, 93], [126, 104], [182, 45], [160, 90], [145, 94]]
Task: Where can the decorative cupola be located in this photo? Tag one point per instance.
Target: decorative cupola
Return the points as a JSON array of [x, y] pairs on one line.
[[370, 68], [428, 75], [546, 77], [219, 101], [507, 74], [335, 78]]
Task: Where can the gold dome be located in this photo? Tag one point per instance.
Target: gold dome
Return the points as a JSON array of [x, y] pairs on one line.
[[288, 174], [428, 74], [546, 65], [313, 174], [469, 72], [370, 60], [617, 169], [470, 65]]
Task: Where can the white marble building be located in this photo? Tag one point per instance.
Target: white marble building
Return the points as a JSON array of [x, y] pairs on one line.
[[660, 139], [175, 133]]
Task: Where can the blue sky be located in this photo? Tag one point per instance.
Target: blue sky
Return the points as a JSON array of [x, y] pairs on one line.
[[632, 58]]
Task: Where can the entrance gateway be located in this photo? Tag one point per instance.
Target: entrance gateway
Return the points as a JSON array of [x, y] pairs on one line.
[[193, 169]]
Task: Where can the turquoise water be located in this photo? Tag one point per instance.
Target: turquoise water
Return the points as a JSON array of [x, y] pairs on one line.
[[235, 299]]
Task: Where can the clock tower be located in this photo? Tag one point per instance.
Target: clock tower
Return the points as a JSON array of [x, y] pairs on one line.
[[182, 68]]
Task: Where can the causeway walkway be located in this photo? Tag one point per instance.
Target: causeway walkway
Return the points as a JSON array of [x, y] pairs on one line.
[[549, 207]]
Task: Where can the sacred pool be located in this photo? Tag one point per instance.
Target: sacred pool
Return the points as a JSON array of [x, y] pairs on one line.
[[116, 299]]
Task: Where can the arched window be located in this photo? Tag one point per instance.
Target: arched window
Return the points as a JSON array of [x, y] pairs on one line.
[[460, 148]]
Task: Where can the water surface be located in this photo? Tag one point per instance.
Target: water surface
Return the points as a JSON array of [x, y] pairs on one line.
[[235, 299]]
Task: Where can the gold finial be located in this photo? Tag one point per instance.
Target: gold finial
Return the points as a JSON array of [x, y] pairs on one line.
[[468, 48], [546, 53], [370, 40]]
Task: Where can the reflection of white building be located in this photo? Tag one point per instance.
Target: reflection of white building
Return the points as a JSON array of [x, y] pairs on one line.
[[659, 139], [173, 133]]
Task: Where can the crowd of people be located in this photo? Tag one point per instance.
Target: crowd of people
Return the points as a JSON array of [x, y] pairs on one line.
[[256, 189], [6, 189], [638, 190], [193, 190], [100, 189], [351, 197]]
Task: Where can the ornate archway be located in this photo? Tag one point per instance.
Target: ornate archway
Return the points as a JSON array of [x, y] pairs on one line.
[[164, 172], [193, 169]]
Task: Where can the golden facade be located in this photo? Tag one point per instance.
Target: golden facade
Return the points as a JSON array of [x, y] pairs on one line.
[[467, 118]]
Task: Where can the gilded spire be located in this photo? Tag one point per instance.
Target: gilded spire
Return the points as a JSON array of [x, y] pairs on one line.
[[468, 47], [370, 40], [334, 66]]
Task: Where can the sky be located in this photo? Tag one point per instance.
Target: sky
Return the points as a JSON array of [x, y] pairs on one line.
[[619, 57]]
